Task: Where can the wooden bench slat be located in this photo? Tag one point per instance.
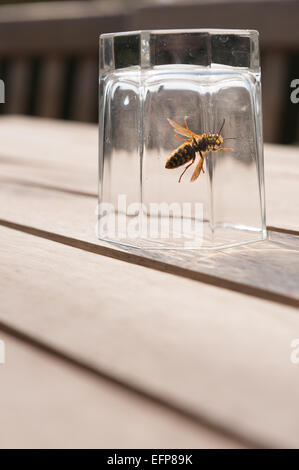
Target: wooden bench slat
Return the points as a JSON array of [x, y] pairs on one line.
[[222, 356], [38, 151], [50, 93], [77, 409], [274, 78], [281, 182], [18, 86], [85, 93], [55, 26], [49, 154], [254, 269], [64, 29]]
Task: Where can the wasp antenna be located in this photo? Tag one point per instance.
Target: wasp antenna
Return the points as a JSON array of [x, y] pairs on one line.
[[230, 138], [221, 126]]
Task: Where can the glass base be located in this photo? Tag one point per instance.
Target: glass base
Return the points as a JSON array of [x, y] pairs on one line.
[[222, 236]]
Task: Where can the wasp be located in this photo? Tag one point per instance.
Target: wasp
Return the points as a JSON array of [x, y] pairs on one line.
[[194, 143]]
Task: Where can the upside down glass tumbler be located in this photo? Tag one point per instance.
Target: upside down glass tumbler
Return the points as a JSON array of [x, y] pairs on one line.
[[180, 139]]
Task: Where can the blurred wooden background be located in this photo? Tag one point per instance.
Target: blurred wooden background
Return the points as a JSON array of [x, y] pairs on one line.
[[49, 51]]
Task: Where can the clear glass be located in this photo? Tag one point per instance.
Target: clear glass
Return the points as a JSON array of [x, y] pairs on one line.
[[212, 77]]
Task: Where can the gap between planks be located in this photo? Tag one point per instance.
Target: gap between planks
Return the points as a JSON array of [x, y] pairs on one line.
[[155, 264], [48, 187], [283, 230]]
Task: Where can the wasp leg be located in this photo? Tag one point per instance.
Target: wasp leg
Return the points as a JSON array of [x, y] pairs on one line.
[[186, 168], [224, 150]]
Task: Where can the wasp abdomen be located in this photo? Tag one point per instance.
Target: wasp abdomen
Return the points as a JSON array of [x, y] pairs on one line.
[[180, 156]]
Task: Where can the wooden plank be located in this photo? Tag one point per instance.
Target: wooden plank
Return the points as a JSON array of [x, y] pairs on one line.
[[50, 164], [254, 269], [244, 14], [37, 210], [221, 357], [18, 86], [78, 409], [274, 85], [71, 28], [281, 181], [57, 25], [68, 161], [51, 83], [85, 93]]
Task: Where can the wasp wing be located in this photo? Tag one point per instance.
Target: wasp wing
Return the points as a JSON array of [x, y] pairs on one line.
[[198, 169], [181, 130]]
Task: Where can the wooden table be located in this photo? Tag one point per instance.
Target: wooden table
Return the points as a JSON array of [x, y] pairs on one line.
[[109, 347]]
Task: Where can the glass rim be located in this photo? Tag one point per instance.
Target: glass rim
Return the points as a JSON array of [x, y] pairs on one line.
[[245, 32], [196, 47]]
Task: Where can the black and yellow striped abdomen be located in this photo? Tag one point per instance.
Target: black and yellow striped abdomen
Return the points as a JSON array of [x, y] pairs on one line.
[[183, 154]]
